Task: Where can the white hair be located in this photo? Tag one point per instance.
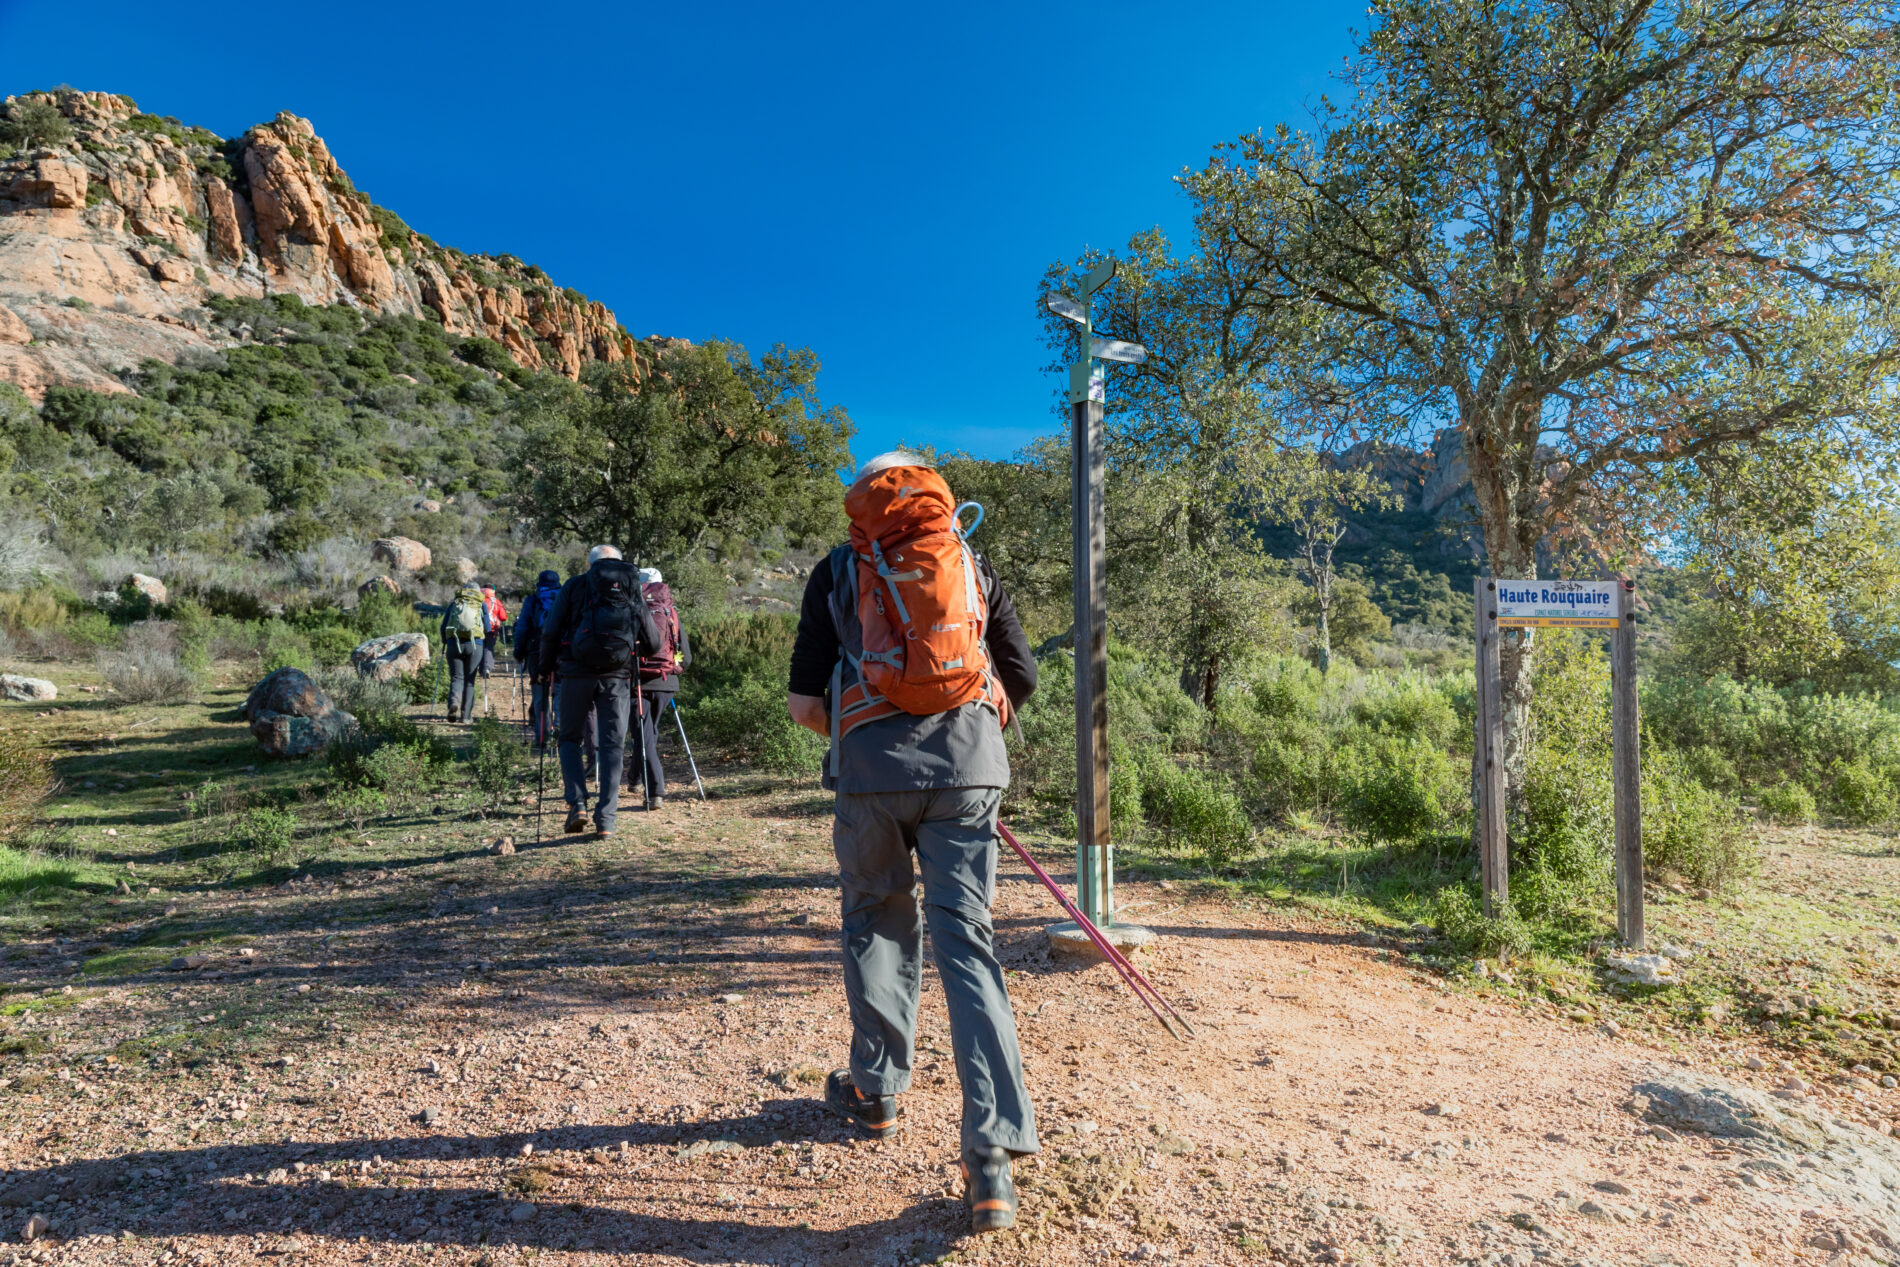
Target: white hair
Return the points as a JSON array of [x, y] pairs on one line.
[[651, 576], [598, 553], [885, 461]]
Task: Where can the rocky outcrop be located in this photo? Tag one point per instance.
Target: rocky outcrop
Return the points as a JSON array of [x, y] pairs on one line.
[[397, 655], [402, 553], [150, 586], [26, 689], [291, 716], [376, 584], [110, 242], [465, 570]]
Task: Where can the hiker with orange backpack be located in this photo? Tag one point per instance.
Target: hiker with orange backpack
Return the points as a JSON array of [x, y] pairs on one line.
[[659, 679], [910, 659]]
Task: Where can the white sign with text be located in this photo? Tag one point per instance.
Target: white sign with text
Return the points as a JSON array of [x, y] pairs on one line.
[[1572, 604]]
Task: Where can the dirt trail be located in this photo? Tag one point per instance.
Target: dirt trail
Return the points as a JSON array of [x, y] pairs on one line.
[[594, 1052]]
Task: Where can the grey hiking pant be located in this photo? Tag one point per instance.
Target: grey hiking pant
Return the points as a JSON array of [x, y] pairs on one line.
[[952, 832], [464, 656], [605, 700]]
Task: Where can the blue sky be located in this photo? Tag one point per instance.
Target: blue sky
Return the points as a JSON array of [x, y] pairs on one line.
[[882, 183]]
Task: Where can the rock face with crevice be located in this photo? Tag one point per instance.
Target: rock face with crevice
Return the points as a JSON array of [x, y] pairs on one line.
[[110, 242]]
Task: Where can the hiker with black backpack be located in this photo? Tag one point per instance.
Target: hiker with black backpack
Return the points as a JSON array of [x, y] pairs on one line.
[[529, 622], [596, 632], [659, 678], [465, 627], [909, 658]]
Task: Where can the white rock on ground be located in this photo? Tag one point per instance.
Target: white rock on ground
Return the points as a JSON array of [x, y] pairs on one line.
[[15, 687]]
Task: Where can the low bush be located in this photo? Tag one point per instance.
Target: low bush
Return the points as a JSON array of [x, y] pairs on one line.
[[358, 805], [1195, 812], [361, 696], [147, 669], [1398, 791], [1788, 802], [1461, 920], [266, 833], [1692, 830], [1863, 793], [495, 760], [27, 782], [747, 721]]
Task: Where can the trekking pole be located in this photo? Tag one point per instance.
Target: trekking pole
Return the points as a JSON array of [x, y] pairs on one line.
[[1129, 973], [674, 704]]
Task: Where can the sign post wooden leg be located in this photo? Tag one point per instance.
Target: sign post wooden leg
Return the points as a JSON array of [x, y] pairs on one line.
[[1493, 849], [1626, 764]]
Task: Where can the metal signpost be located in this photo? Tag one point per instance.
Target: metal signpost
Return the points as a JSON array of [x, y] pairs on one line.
[[1609, 605], [1094, 856]]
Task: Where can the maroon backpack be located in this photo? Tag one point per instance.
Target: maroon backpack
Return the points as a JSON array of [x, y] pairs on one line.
[[664, 662]]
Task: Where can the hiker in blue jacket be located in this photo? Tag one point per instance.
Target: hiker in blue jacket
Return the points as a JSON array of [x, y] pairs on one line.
[[529, 623]]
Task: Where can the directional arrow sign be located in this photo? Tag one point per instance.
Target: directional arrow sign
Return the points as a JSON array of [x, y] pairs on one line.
[[1116, 350], [1063, 306], [1098, 277]]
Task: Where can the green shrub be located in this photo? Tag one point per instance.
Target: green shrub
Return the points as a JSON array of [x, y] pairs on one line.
[[747, 722], [496, 758], [1711, 767], [265, 833], [1410, 707], [284, 647], [358, 804], [1291, 768], [332, 644], [1692, 830], [27, 781], [1398, 792], [31, 124], [1864, 794], [402, 770], [1788, 802], [1461, 921], [1196, 812], [1288, 688]]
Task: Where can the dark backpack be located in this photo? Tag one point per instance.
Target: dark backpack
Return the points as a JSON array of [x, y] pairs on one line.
[[606, 637], [664, 662]]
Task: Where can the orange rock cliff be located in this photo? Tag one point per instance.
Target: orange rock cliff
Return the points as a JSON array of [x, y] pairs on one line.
[[111, 240]]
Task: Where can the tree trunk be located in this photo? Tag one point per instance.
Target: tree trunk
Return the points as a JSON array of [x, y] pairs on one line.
[[1323, 639], [1501, 456], [1210, 685]]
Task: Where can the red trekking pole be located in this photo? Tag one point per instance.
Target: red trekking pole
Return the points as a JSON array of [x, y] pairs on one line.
[[1130, 975]]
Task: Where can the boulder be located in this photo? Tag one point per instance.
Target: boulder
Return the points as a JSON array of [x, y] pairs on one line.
[[376, 583], [150, 586], [400, 553], [15, 687], [429, 506], [397, 655], [466, 570], [290, 715]]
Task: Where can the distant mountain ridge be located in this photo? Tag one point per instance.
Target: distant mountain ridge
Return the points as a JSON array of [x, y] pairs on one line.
[[111, 240]]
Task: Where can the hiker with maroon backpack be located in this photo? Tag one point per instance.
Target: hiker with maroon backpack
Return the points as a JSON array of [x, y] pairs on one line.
[[910, 659], [659, 679], [596, 632]]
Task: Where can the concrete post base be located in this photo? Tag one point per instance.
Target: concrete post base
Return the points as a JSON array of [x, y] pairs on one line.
[[1068, 941]]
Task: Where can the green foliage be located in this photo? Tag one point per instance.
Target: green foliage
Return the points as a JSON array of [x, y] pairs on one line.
[[706, 447], [265, 833], [496, 758], [1195, 812], [27, 781], [747, 721], [1563, 837], [1691, 830], [1788, 802], [1864, 794], [358, 804], [1462, 922], [31, 124], [1400, 793]]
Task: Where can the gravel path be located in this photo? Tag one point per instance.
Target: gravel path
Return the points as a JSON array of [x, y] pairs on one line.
[[588, 1053]]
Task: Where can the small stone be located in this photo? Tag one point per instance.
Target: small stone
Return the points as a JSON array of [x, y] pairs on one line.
[[1611, 1028], [522, 1212], [36, 1227], [1889, 1081], [112, 831], [431, 1115], [1444, 1108], [189, 963], [1756, 1063], [503, 846], [801, 920], [527, 1150], [1793, 1083], [732, 998], [1611, 1185], [1175, 1145], [1664, 1134]]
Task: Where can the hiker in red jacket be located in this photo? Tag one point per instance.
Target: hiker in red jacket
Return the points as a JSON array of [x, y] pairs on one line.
[[659, 679], [909, 658]]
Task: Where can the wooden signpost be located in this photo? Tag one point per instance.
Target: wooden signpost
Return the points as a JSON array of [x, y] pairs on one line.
[[1609, 605]]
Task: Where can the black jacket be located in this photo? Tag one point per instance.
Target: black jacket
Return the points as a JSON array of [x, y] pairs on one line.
[[816, 649], [552, 655]]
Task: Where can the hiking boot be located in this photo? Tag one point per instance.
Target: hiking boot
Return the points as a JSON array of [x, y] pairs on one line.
[[576, 822], [601, 833], [877, 1114], [988, 1191], [656, 802]]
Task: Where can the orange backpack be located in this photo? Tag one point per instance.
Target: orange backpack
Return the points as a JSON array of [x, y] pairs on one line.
[[920, 604]]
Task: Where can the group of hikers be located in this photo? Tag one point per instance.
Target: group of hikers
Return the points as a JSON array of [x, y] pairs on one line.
[[600, 651], [909, 658]]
